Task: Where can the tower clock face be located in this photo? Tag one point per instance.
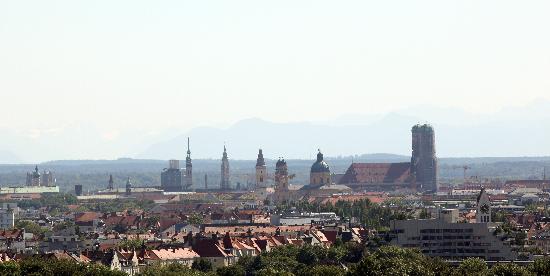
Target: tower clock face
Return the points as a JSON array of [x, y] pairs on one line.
[[484, 208]]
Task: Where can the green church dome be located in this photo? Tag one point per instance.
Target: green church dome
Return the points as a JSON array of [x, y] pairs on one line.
[[320, 166]]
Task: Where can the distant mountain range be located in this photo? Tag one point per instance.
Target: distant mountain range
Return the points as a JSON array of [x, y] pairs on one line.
[[516, 136], [515, 131]]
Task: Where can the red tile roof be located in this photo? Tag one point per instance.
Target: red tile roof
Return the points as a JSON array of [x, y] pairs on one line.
[[122, 220], [173, 254], [209, 248], [377, 173], [330, 235], [11, 234], [86, 216]]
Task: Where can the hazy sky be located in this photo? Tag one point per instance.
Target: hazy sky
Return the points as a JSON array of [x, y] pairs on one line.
[[150, 65]]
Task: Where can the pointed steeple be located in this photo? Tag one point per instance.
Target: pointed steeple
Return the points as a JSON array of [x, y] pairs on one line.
[[188, 158], [111, 182], [224, 183], [188, 168], [128, 186], [188, 148]]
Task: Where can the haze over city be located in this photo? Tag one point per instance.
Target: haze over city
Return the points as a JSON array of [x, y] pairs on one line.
[[256, 138], [102, 79]]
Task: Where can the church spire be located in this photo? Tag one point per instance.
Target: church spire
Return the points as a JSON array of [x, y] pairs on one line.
[[111, 182], [224, 183], [188, 168], [128, 186], [188, 148], [224, 152]]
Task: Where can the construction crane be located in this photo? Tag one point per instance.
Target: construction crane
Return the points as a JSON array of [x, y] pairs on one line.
[[465, 168]]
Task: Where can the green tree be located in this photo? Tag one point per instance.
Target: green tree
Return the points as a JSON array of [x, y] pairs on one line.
[[336, 254], [234, 270], [276, 263], [36, 266], [273, 272], [9, 269], [202, 264], [509, 269], [322, 270], [311, 255], [540, 266], [472, 266], [173, 269], [438, 266], [30, 227], [63, 225], [131, 243], [520, 237], [195, 219], [392, 260]]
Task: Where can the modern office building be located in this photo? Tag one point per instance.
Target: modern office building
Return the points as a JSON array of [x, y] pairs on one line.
[[172, 178], [444, 237]]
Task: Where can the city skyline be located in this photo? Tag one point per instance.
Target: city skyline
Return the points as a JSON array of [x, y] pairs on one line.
[[249, 137]]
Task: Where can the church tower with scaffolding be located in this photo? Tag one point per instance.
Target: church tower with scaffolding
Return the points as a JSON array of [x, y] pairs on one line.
[[424, 160]]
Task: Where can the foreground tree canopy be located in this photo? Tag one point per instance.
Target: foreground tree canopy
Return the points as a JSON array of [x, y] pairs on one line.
[[290, 260]]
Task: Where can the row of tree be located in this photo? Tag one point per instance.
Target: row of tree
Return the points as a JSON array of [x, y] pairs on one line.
[[38, 266], [343, 259], [349, 260]]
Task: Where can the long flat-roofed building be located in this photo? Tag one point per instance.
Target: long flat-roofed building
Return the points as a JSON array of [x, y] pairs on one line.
[[444, 237]]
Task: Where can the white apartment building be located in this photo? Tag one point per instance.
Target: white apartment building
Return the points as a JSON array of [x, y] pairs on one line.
[[444, 237]]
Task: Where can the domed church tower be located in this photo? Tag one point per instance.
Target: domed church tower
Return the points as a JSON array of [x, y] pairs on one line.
[[281, 175], [320, 172], [282, 193]]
